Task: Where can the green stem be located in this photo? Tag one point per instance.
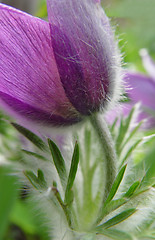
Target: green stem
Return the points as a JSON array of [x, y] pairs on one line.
[[66, 212], [106, 141]]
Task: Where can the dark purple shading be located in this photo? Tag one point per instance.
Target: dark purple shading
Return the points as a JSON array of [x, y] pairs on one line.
[[36, 114], [84, 49], [71, 72]]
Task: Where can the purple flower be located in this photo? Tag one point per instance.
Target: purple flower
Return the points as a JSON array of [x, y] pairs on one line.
[[59, 71], [141, 88]]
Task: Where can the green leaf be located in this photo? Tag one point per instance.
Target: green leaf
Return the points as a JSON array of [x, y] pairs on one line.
[[115, 234], [32, 178], [72, 174], [41, 178], [113, 126], [123, 130], [58, 161], [116, 184], [117, 219], [37, 141], [132, 189], [149, 161], [139, 192], [120, 137], [36, 155], [111, 206], [37, 181], [8, 196], [131, 149], [133, 132], [131, 135], [55, 184]]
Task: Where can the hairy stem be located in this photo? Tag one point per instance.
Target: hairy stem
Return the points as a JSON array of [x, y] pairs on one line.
[[66, 212], [107, 144]]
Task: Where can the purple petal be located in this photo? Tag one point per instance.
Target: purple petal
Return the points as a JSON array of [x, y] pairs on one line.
[[28, 72], [148, 63], [124, 110], [141, 88], [84, 50], [28, 110]]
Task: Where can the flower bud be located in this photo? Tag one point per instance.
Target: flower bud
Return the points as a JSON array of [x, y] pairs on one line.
[[57, 72]]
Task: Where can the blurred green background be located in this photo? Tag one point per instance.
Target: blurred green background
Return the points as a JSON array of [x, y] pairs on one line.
[[134, 21]]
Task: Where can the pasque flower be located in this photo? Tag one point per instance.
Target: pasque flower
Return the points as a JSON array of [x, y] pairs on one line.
[[59, 71], [140, 88]]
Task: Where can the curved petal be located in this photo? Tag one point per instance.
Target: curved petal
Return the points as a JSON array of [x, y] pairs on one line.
[[142, 88], [124, 110], [84, 50], [28, 72], [35, 113]]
